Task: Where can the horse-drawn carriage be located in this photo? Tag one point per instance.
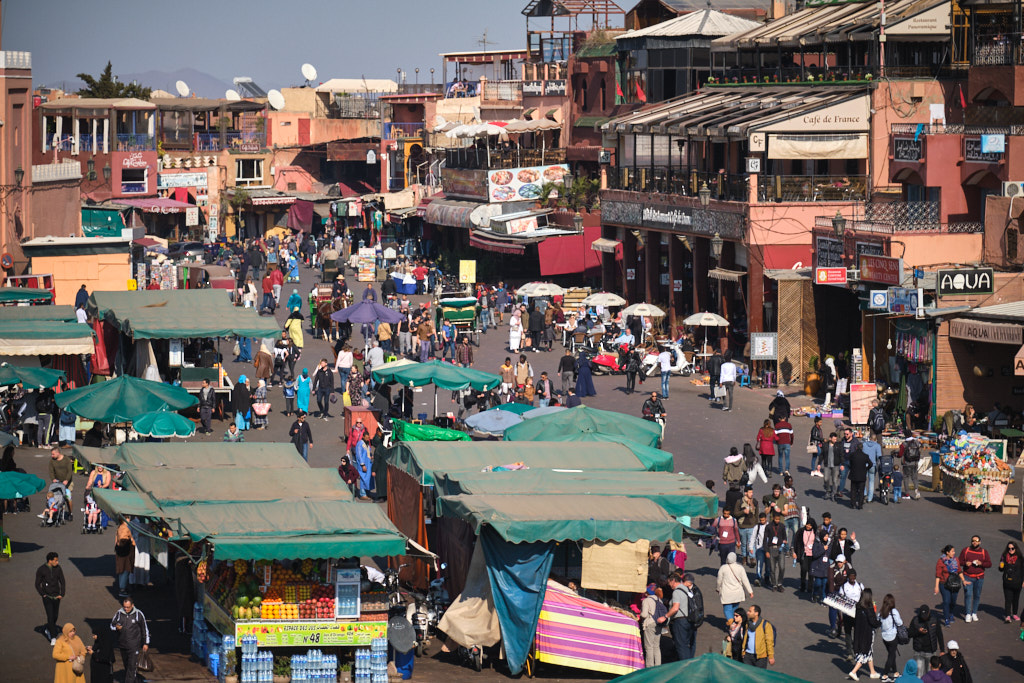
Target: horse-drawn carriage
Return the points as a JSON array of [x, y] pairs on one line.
[[321, 305], [460, 310]]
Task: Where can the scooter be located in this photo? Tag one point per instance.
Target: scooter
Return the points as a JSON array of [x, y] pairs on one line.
[[604, 362], [425, 612], [651, 367]]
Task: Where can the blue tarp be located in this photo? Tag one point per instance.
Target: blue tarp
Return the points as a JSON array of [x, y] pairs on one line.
[[518, 573]]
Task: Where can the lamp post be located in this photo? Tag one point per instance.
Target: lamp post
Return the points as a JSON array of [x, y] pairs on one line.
[[19, 176], [106, 172], [839, 228], [577, 222]]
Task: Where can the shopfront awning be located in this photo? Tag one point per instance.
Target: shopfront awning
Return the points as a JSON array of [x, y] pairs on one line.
[[157, 205], [849, 146], [38, 338], [606, 245], [726, 275], [451, 213]]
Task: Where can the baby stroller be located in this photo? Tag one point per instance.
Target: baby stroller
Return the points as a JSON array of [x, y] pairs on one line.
[[58, 502], [886, 467], [91, 510]]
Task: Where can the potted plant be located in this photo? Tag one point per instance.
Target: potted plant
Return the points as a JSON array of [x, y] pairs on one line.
[[345, 673], [282, 669], [230, 666], [812, 382]]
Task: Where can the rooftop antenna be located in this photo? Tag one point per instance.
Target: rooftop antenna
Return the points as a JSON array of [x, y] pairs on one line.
[[232, 95], [484, 42], [276, 99], [182, 88], [309, 73]]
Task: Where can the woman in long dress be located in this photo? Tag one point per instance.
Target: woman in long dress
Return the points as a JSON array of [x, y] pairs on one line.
[[515, 332], [68, 648], [302, 392], [259, 396], [584, 382]]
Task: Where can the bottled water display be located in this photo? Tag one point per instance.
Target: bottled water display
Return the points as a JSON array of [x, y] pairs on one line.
[[257, 665], [314, 667], [372, 663]]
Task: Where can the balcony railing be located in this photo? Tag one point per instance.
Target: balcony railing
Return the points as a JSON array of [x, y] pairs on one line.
[[397, 130], [954, 129], [885, 228], [503, 91], [473, 158], [135, 142], [997, 49], [664, 180], [67, 143], [811, 188], [365, 106], [904, 216], [461, 89], [233, 140]]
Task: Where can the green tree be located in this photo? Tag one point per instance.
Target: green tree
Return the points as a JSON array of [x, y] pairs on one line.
[[107, 86]]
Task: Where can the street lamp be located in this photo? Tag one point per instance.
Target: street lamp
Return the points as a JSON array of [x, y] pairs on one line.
[[716, 246], [704, 194], [577, 222], [106, 172], [839, 224], [19, 175]]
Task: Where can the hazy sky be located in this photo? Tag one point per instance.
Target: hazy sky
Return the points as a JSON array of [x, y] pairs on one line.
[[265, 40]]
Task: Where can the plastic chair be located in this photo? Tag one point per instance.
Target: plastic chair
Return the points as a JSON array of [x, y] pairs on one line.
[[6, 548], [745, 379], [769, 378], [76, 466], [390, 359]]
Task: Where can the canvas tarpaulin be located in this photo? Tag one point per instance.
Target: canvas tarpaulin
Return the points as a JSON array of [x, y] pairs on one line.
[[300, 215], [408, 517], [518, 573], [16, 294], [472, 619], [24, 314], [407, 431], [443, 375], [123, 398], [420, 459], [531, 518], [40, 338], [709, 667], [680, 495], [179, 314], [170, 487], [615, 566], [194, 455], [851, 146], [583, 420]]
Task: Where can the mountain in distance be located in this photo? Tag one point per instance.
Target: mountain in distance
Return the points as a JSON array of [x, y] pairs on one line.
[[200, 83]]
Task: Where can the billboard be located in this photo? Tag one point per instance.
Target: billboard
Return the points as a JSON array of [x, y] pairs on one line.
[[519, 184]]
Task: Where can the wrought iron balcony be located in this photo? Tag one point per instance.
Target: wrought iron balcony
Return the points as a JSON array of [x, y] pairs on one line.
[[474, 158], [675, 181], [135, 142], [811, 188], [904, 216], [997, 49]]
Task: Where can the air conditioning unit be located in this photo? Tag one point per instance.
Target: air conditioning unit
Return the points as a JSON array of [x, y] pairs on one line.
[[1013, 188]]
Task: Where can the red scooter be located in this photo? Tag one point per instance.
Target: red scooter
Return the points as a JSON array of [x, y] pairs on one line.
[[603, 362]]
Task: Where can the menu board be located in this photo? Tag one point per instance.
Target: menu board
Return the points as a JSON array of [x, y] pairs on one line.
[[367, 271], [306, 633], [861, 396], [518, 184]]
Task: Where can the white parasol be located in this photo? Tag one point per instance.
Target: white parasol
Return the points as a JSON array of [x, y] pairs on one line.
[[648, 310], [706, 319], [604, 299], [533, 289]]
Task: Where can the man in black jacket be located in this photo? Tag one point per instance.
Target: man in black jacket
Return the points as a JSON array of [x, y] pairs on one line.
[[925, 632], [714, 370], [50, 586], [132, 637], [323, 387], [207, 399], [779, 408], [567, 370], [860, 463]]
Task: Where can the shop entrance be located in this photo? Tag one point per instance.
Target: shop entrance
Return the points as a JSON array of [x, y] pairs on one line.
[[838, 324]]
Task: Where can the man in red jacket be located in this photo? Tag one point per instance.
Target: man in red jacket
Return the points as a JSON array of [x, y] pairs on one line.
[[784, 438], [974, 560]]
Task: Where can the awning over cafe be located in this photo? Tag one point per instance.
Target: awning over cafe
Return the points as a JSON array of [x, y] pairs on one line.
[[157, 205], [451, 213], [848, 146], [726, 275], [606, 245]]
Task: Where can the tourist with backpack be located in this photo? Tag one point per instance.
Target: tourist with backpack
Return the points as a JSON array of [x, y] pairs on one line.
[[727, 532], [758, 640], [685, 615], [910, 454], [652, 616], [876, 421]]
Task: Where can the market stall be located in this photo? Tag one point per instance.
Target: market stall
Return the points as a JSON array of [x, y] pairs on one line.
[[974, 470], [44, 338], [193, 455], [583, 423], [442, 375]]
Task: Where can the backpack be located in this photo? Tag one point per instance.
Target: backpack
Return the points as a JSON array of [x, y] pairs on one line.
[[775, 631], [878, 421], [912, 453], [659, 609], [695, 607]]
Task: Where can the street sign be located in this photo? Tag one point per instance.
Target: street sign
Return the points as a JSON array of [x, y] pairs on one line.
[[902, 300], [881, 269], [879, 299], [964, 281], [830, 276]]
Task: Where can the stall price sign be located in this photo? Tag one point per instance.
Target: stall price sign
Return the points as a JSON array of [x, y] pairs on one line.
[[311, 633]]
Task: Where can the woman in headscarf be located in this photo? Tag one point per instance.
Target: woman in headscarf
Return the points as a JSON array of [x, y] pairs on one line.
[[303, 390], [124, 556], [242, 398], [294, 301], [293, 325], [355, 386], [260, 396], [264, 363], [584, 382], [515, 330], [68, 648]]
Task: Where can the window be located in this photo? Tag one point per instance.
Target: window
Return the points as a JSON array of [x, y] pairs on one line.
[[134, 181], [249, 171], [292, 187]]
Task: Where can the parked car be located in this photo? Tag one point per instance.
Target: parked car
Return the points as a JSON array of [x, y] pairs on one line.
[[186, 250]]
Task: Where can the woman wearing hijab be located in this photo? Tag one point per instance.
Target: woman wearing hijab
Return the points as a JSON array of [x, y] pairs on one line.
[[242, 398], [515, 331], [293, 325], [1011, 565], [302, 392], [260, 396], [124, 557], [294, 301], [584, 382], [766, 446], [69, 647], [264, 363]]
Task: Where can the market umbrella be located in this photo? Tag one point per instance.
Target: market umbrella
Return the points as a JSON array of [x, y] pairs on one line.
[[163, 424], [604, 299], [15, 485], [516, 408], [123, 399], [541, 412], [706, 319], [709, 668], [367, 311], [32, 378], [649, 310], [540, 289], [493, 422]]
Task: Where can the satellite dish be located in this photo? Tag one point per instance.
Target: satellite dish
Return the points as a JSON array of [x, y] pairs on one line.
[[309, 72], [276, 99], [182, 88], [232, 95]]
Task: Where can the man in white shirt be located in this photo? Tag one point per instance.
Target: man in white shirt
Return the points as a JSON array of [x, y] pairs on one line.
[[375, 356], [727, 379], [81, 314], [665, 362]]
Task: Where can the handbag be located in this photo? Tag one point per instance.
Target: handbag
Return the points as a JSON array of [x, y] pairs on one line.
[[144, 663], [812, 449], [346, 399], [902, 634], [726, 647], [954, 583], [720, 391], [78, 666], [261, 409]]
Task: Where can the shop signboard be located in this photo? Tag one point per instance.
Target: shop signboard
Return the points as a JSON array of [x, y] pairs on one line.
[[519, 184], [169, 180], [274, 633], [533, 88], [828, 252], [464, 182], [973, 151], [964, 281], [881, 269], [869, 249], [192, 217], [906, 149], [1018, 362], [556, 87], [467, 272], [992, 333], [764, 346], [903, 300], [861, 396], [830, 276], [879, 300]]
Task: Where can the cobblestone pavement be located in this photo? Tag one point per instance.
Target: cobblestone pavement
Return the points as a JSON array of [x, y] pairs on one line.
[[899, 546]]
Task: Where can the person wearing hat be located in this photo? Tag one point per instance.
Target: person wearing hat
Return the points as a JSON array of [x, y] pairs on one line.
[[838, 574], [652, 608], [925, 632], [954, 664]]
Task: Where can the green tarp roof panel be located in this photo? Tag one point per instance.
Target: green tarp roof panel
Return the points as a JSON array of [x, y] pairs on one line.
[[407, 431], [420, 459], [194, 455], [443, 375], [13, 294], [608, 49], [680, 495], [337, 546], [533, 518], [590, 121], [583, 419], [31, 378], [60, 314], [168, 487], [43, 329], [654, 459], [179, 314], [124, 398], [708, 667], [118, 503]]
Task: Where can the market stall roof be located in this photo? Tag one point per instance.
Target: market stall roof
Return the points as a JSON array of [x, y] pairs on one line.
[[193, 455], [443, 375], [24, 314], [408, 431], [703, 23], [586, 420], [680, 495], [37, 338], [535, 518], [170, 487], [179, 314], [31, 378], [16, 294], [123, 398], [708, 667], [420, 459]]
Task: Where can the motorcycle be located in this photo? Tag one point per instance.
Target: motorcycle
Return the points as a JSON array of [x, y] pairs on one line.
[[424, 612], [604, 361], [680, 366]]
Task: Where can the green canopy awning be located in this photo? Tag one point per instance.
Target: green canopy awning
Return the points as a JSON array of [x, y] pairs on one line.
[[420, 459], [60, 314], [709, 667], [123, 399], [179, 314], [533, 518], [31, 378], [169, 487], [44, 337], [653, 459], [15, 294], [193, 455], [584, 420], [121, 503], [337, 546], [407, 431], [680, 495], [443, 375]]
